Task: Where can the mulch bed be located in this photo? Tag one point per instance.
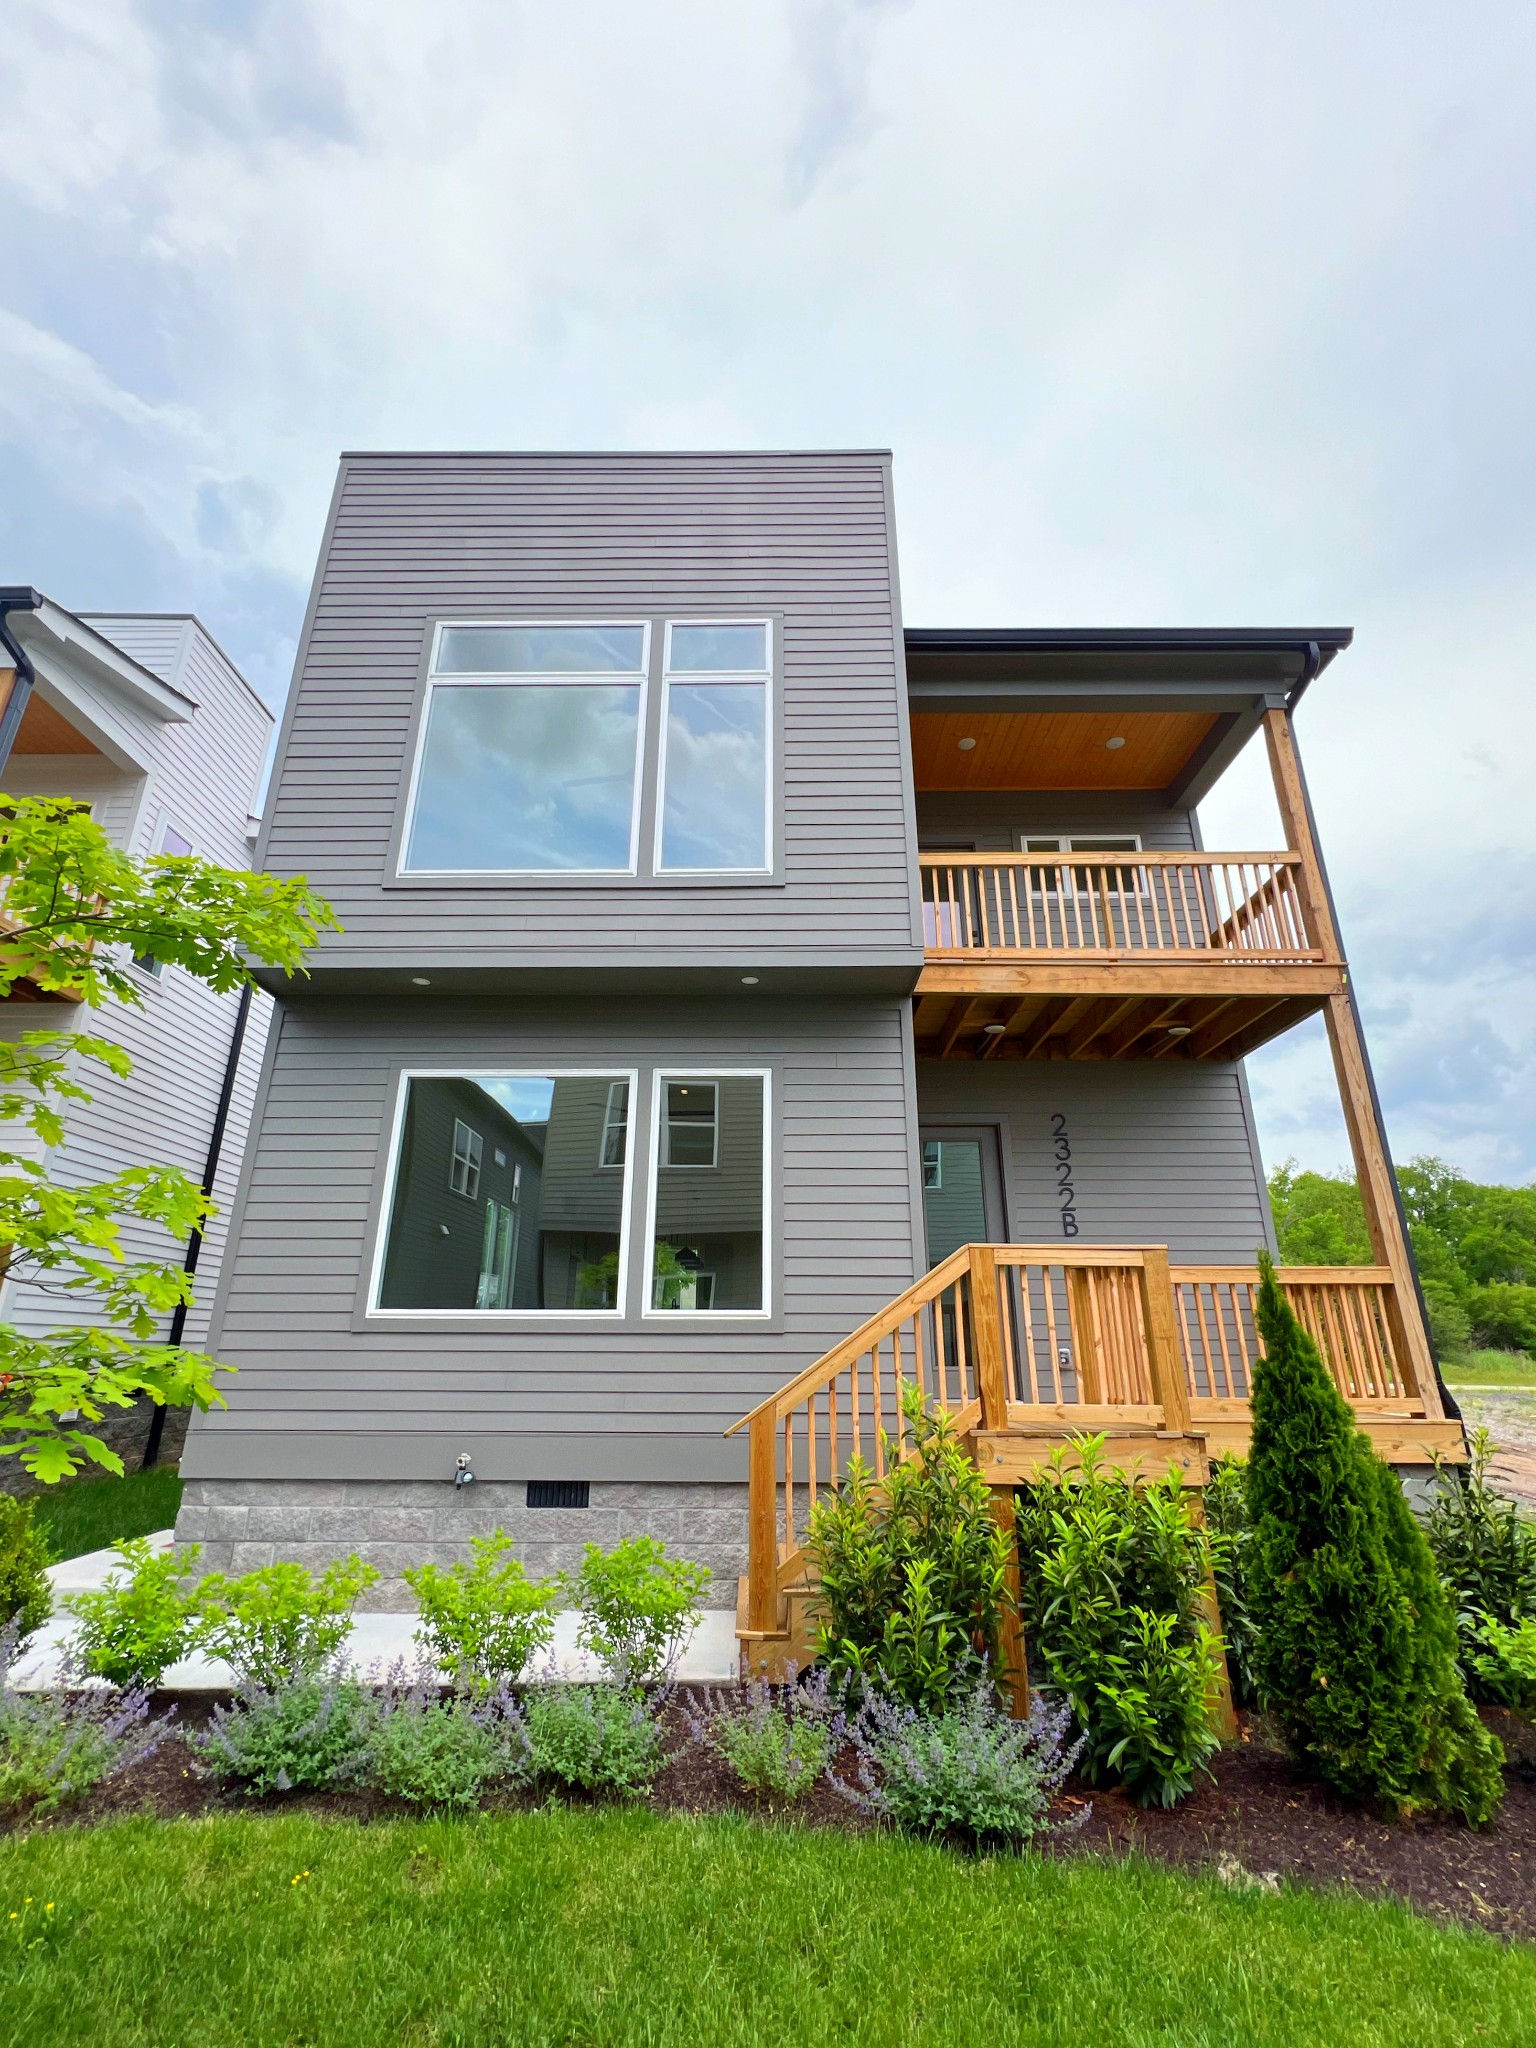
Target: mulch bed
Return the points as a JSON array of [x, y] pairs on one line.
[[1256, 1822]]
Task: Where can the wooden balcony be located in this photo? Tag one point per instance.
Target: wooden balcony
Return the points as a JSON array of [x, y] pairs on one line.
[[1027, 1346], [1144, 956]]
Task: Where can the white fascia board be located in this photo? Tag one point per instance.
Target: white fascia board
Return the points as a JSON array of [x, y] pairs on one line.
[[56, 636]]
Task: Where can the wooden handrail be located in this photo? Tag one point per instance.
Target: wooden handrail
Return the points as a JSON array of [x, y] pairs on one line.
[[1201, 906]]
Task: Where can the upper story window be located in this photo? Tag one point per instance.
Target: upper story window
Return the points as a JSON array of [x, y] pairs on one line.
[[172, 842], [464, 1163], [542, 750], [529, 760], [713, 807]]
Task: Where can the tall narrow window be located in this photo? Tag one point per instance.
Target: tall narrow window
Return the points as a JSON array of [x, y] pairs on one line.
[[713, 808], [528, 760], [173, 843], [545, 1227], [709, 1195], [615, 1124]]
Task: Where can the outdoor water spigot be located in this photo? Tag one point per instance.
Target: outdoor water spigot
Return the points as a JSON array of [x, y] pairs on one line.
[[462, 1476]]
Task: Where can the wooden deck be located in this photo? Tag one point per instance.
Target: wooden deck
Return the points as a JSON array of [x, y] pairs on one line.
[[1027, 1346], [1130, 956]]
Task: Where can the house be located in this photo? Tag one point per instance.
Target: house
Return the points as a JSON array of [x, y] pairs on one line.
[[143, 719], [745, 1003]]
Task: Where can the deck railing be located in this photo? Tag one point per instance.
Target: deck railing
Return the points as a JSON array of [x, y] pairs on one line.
[[1231, 906], [1048, 1339]]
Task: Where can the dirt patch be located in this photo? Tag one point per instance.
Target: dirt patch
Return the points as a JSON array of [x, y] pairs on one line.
[[1510, 1419], [1256, 1822]]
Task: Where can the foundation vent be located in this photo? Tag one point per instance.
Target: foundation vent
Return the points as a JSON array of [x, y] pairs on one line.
[[559, 1493]]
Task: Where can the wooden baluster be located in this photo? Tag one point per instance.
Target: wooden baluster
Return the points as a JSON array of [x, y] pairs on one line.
[[762, 1520], [1048, 1291], [1170, 1389], [962, 1355], [789, 1481], [1181, 1301], [1005, 1313], [879, 1409], [812, 1448], [1221, 1338], [1110, 940], [1085, 1349]]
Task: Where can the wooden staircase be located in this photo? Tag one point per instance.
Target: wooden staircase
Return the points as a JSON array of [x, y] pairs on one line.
[[1026, 1347]]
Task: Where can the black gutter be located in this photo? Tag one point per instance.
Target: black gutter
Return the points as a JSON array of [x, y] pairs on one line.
[[1126, 639], [210, 1175], [1451, 1406], [23, 599]]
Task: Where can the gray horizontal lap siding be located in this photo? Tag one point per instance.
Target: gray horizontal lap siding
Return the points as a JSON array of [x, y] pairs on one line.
[[317, 1394], [995, 819], [416, 540], [1160, 1154]]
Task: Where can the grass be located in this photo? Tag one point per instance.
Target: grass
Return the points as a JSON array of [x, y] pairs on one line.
[[1491, 1369], [606, 1927], [92, 1514]]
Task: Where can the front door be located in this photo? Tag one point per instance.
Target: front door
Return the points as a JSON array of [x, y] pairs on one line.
[[962, 1188]]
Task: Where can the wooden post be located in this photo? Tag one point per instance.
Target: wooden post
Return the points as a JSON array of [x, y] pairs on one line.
[[1165, 1358], [1219, 1707], [762, 1524], [1015, 1671], [1367, 1138], [987, 1336]]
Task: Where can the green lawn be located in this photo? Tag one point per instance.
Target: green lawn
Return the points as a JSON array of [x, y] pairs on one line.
[[1491, 1369], [93, 1513], [606, 1927]]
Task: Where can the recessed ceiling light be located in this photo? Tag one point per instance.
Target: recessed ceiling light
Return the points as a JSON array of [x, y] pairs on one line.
[[965, 746], [1118, 741], [421, 981], [1179, 1030], [749, 981], [992, 1030]]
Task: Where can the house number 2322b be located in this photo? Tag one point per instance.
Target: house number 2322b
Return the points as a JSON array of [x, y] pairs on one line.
[[1066, 1193]]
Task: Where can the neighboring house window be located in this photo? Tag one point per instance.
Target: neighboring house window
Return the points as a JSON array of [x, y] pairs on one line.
[[547, 1233], [691, 1131], [712, 806], [933, 1163], [464, 1166], [615, 1125], [529, 760], [171, 841], [709, 1232]]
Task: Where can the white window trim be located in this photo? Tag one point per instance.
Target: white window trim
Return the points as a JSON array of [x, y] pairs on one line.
[[693, 1165], [605, 1164], [679, 1318], [762, 678], [155, 974], [1066, 847], [537, 1317], [497, 678], [938, 1165]]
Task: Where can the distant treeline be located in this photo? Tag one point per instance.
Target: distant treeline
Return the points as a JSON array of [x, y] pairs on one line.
[[1476, 1246]]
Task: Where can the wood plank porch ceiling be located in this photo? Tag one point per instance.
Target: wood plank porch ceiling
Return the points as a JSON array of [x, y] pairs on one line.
[[1122, 1024]]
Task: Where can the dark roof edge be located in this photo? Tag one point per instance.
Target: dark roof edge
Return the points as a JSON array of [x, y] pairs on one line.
[[608, 454], [1124, 639]]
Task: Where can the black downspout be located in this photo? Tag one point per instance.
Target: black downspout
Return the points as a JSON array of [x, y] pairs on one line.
[[1451, 1407], [210, 1175], [21, 689]]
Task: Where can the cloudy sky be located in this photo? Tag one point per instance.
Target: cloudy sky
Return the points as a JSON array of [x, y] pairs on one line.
[[1173, 314]]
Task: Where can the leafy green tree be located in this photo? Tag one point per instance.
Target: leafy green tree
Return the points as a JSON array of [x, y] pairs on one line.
[[76, 908], [1355, 1643]]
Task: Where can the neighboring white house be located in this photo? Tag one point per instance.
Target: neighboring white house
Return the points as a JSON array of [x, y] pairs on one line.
[[143, 717]]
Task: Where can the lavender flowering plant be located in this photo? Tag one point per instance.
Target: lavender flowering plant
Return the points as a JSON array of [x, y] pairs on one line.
[[778, 1740], [57, 1744]]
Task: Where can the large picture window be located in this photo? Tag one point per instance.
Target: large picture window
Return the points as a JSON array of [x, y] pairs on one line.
[[712, 808], [529, 758], [499, 1200], [708, 1209]]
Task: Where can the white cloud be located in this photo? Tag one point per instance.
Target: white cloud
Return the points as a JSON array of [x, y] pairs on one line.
[[1170, 314]]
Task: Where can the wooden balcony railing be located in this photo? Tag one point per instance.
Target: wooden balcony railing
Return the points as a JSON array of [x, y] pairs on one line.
[[1037, 1342], [1218, 907]]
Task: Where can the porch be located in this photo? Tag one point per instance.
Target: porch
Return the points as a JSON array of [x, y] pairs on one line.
[[1027, 1346]]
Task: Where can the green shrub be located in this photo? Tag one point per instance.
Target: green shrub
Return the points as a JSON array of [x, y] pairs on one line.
[[310, 1735], [1355, 1650], [133, 1627], [913, 1573], [1450, 1327], [1229, 1538], [445, 1753], [1485, 1552], [1503, 1315], [594, 1738], [970, 1772], [1501, 1660], [1113, 1575], [482, 1621], [26, 1597], [281, 1622], [778, 1741], [638, 1607], [57, 1745]]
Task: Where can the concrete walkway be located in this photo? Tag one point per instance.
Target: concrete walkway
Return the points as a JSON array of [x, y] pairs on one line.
[[712, 1656]]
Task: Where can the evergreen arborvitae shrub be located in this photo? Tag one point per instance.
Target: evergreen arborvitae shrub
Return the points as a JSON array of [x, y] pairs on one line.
[[1355, 1648], [26, 1598]]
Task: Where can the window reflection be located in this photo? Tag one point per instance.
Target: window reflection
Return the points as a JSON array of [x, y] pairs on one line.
[[714, 813], [707, 1250], [501, 1200]]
